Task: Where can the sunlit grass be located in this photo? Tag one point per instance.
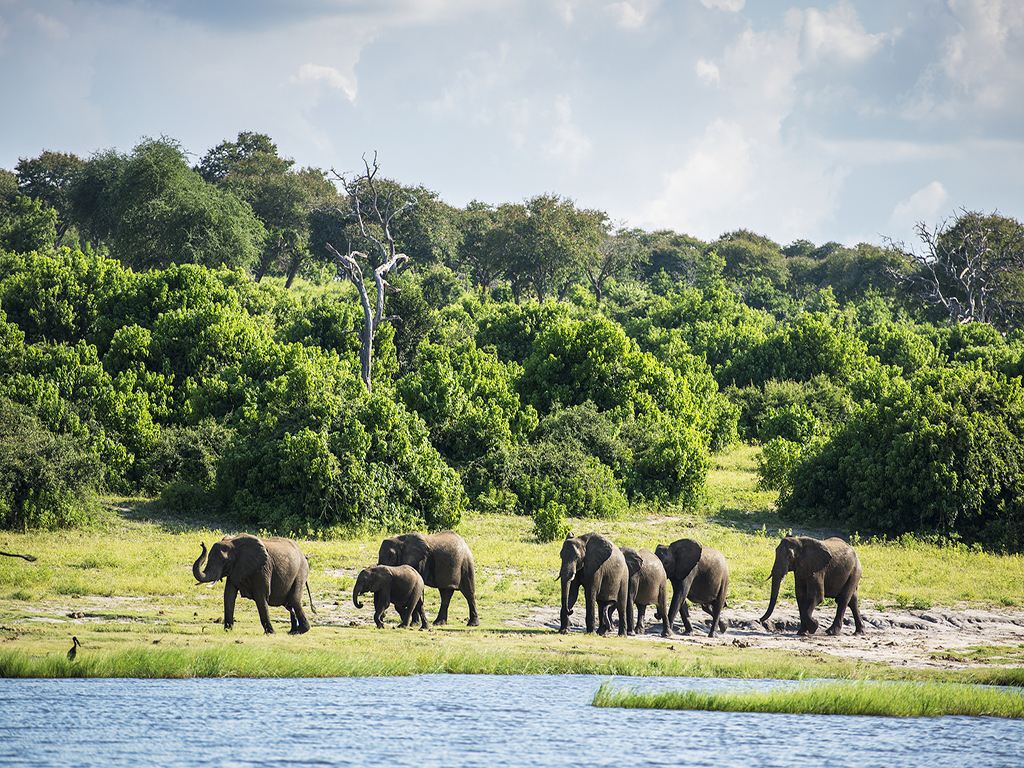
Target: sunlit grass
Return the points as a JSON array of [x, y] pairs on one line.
[[863, 698]]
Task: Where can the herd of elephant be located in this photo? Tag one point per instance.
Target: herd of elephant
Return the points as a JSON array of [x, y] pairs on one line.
[[273, 572]]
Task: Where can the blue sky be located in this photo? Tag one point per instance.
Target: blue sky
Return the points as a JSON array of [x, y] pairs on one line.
[[845, 120]]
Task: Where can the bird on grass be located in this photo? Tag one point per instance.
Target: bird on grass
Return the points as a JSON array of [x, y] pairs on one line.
[[75, 645]]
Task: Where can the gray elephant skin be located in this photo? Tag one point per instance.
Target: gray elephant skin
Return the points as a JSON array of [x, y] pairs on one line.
[[596, 564], [401, 586], [444, 562], [821, 568], [699, 574], [271, 571], [648, 585]]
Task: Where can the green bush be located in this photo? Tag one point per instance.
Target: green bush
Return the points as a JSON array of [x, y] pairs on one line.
[[775, 464], [549, 522], [47, 480], [551, 471], [944, 453], [317, 455]]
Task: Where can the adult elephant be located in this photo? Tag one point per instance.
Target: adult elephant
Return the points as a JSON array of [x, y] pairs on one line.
[[596, 564], [443, 560], [647, 586], [271, 571], [821, 568], [699, 574]]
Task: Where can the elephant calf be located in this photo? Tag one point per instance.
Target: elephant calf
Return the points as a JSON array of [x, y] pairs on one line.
[[821, 568], [699, 574], [647, 586], [270, 571], [401, 586]]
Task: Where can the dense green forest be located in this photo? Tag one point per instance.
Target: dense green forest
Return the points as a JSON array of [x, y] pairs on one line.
[[192, 330]]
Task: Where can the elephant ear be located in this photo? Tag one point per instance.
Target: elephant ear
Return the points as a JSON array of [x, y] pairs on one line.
[[814, 556], [249, 558], [417, 554], [686, 551]]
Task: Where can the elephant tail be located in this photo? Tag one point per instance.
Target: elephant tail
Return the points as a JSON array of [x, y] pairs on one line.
[[311, 606]]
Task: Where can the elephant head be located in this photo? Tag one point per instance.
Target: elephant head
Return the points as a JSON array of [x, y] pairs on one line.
[[238, 556], [573, 552], [408, 549], [664, 553], [795, 553], [368, 580]]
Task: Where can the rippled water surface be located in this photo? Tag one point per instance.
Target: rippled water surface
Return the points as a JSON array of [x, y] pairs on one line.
[[441, 720]]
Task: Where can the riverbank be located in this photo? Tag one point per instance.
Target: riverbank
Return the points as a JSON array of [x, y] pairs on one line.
[[126, 591]]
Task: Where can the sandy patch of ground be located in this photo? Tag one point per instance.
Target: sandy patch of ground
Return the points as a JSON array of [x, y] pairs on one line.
[[896, 637]]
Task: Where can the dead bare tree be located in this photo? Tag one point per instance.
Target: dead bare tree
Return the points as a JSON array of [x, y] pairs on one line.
[[373, 207], [966, 268]]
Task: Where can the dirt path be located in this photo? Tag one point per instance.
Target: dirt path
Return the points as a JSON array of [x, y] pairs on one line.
[[932, 638]]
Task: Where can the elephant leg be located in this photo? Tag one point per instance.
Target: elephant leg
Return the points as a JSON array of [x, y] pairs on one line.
[[639, 627], [291, 618], [264, 610], [590, 596], [842, 600], [422, 615], [625, 611], [474, 619], [468, 590], [684, 614], [442, 612], [857, 621], [230, 593], [716, 612], [405, 614], [380, 607], [300, 624], [678, 598], [803, 604], [604, 620], [662, 612]]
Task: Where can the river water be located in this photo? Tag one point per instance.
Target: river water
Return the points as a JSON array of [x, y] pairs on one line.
[[453, 720]]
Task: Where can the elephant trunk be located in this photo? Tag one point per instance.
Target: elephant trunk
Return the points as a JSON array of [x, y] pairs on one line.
[[357, 590], [197, 568], [568, 576], [778, 573]]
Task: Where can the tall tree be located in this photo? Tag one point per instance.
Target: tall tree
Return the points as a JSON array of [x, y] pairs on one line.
[[545, 242], [972, 269], [281, 197], [617, 254], [374, 209], [51, 177]]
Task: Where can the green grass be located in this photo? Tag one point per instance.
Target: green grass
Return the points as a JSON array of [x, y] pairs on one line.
[[132, 575], [863, 698]]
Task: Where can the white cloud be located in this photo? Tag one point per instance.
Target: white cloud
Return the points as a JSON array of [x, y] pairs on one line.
[[926, 204], [838, 33], [732, 6], [707, 71], [334, 78], [632, 14], [736, 177], [568, 144], [982, 58]]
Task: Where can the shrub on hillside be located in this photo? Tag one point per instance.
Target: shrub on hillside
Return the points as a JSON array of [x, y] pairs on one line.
[[46, 479], [942, 454]]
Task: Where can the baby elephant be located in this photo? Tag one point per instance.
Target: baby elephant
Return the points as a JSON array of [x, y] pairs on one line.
[[399, 585]]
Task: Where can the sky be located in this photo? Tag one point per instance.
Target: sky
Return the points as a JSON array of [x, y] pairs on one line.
[[847, 120]]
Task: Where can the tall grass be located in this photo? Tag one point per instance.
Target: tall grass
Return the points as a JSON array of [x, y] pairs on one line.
[[863, 698]]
